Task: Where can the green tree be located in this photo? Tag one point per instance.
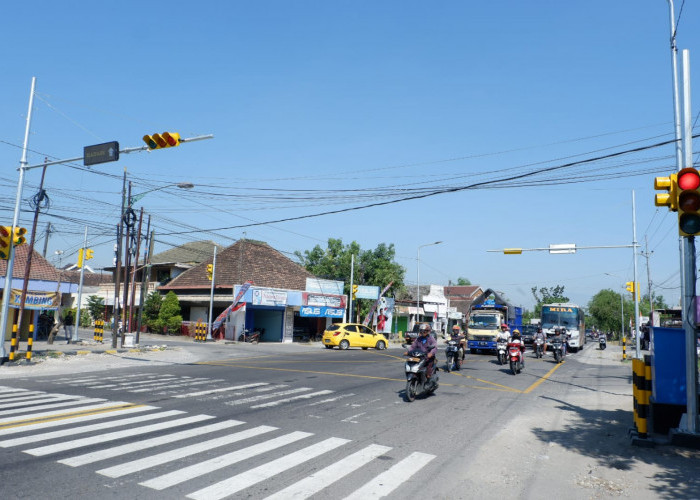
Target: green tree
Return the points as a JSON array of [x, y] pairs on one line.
[[169, 317], [151, 308], [545, 295], [96, 306], [462, 282], [604, 311], [372, 267]]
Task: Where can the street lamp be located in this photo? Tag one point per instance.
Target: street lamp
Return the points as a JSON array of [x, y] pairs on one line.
[[181, 185], [418, 276]]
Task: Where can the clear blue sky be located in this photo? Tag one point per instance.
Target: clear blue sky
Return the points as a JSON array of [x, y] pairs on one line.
[[329, 105]]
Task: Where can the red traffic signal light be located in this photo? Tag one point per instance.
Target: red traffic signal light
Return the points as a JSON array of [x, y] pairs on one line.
[[688, 202], [5, 242]]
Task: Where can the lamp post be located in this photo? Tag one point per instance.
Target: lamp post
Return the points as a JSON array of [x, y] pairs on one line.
[[418, 276]]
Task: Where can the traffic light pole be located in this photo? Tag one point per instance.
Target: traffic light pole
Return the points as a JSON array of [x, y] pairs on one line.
[[75, 339], [15, 220], [211, 295]]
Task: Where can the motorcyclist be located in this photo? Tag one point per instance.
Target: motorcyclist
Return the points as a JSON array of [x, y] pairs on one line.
[[427, 344], [541, 336], [458, 336], [516, 339], [560, 335], [504, 334]]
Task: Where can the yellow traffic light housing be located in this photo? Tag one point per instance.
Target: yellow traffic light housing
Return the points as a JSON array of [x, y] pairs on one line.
[[89, 253], [164, 140], [670, 198], [210, 271], [354, 292], [18, 237], [688, 202], [80, 258], [5, 242]]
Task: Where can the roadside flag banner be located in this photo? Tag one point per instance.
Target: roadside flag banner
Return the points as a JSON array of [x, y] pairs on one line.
[[376, 303], [220, 318]]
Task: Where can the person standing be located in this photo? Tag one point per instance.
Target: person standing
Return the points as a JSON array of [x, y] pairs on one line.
[[68, 325]]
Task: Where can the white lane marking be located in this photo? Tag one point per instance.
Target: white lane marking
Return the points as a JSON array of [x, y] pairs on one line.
[[389, 480], [222, 389], [47, 406], [49, 398], [241, 481], [75, 420], [202, 468], [170, 456], [60, 413], [10, 396], [266, 396], [102, 438], [116, 451], [352, 418], [173, 387], [325, 477], [4, 389], [113, 424], [13, 398], [140, 383], [330, 400], [288, 400]]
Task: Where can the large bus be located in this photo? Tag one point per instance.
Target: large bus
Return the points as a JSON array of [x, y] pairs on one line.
[[569, 316]]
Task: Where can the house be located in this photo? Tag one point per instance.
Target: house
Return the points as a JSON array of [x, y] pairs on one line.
[[278, 302]]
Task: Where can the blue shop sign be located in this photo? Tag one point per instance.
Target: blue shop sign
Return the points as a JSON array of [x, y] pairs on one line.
[[320, 312]]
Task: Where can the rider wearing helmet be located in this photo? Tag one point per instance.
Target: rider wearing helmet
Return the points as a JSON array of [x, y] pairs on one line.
[[503, 334], [516, 339], [427, 344], [459, 337]]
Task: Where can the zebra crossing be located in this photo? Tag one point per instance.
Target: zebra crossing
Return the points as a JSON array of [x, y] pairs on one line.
[[169, 450], [255, 395]]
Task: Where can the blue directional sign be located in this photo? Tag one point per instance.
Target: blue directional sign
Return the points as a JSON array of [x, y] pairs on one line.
[[100, 153]]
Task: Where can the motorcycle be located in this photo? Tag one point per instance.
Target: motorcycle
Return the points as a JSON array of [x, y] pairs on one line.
[[453, 352], [501, 348], [558, 349], [602, 343], [539, 347], [516, 357], [417, 384]]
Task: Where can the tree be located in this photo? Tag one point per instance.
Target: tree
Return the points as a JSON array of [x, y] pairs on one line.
[[462, 282], [169, 317], [96, 307], [545, 295], [151, 308], [604, 309], [372, 267]]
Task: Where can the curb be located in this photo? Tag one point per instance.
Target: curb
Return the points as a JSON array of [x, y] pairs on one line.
[[43, 355]]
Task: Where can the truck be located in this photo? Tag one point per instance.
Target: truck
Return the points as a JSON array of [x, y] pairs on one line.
[[486, 315]]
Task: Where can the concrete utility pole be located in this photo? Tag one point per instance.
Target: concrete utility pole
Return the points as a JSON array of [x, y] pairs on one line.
[[211, 295]]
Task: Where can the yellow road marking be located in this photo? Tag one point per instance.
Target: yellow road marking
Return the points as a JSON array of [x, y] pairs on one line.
[[63, 416], [545, 377], [501, 387]]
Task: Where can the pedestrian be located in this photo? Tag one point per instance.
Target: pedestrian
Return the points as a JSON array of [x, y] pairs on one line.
[[68, 325]]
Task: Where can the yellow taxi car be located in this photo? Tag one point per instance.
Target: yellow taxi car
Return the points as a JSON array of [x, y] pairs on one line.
[[346, 335]]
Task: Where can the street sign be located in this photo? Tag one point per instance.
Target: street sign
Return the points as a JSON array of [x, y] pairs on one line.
[[100, 153], [564, 248]]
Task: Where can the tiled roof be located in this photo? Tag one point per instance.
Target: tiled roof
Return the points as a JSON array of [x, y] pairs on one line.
[[246, 260], [41, 269], [89, 279], [463, 292], [193, 253]]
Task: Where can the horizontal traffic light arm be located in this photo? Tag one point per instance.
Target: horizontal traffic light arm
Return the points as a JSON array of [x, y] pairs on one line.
[[121, 151]]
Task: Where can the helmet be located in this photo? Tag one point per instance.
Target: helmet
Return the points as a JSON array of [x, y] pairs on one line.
[[516, 333], [455, 327], [424, 328], [504, 326]]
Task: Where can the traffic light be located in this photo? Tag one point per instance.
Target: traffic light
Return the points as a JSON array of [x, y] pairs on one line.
[[688, 202], [210, 271], [18, 238], [354, 292], [5, 233], [630, 286], [164, 140], [669, 199], [80, 258], [89, 253]]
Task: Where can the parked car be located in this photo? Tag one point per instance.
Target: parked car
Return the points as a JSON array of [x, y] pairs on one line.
[[346, 335]]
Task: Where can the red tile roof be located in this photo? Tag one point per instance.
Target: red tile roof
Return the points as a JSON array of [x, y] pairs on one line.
[[41, 269]]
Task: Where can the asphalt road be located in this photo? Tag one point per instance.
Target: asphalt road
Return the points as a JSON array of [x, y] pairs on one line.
[[252, 421]]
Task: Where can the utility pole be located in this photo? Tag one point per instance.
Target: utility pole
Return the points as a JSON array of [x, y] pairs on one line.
[[75, 338], [646, 254], [48, 233], [352, 282], [118, 270], [133, 271], [145, 276], [211, 295]]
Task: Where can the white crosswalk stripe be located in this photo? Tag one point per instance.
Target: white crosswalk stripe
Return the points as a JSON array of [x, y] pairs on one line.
[[201, 468], [17, 420], [103, 438], [47, 406], [325, 477], [242, 481], [170, 456], [220, 389], [86, 428], [45, 399], [21, 395], [295, 398]]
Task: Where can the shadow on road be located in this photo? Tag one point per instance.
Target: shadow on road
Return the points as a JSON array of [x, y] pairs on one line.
[[602, 435]]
